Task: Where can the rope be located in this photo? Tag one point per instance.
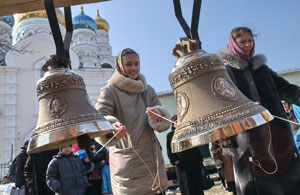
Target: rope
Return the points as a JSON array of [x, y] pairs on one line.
[[163, 117], [286, 120], [176, 123], [107, 143], [156, 179], [257, 163]]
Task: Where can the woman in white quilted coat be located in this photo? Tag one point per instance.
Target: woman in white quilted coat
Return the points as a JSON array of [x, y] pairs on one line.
[[136, 162]]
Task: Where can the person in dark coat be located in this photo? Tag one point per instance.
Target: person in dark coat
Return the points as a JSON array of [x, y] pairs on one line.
[[94, 177], [35, 172], [265, 159], [173, 157], [19, 167], [66, 173], [188, 167]]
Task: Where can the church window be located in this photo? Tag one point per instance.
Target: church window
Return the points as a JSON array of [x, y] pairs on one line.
[[106, 65]]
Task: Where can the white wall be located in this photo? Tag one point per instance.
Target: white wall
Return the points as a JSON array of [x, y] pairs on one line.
[[292, 77]]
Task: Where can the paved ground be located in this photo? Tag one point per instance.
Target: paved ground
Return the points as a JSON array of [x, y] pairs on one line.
[[216, 190]]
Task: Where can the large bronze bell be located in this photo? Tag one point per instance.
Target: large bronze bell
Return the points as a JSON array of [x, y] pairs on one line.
[[65, 112], [209, 105]]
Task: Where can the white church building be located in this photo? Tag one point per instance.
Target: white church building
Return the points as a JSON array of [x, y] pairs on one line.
[[20, 68]]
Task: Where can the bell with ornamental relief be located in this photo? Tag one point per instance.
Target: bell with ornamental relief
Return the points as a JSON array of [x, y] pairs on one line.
[[209, 105], [65, 111], [66, 115]]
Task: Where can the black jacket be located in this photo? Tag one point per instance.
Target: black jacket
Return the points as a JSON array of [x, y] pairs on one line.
[[20, 164], [35, 172], [67, 174], [261, 84], [99, 157], [172, 156], [188, 170]]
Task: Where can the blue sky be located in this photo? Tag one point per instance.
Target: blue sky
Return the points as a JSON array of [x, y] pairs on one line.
[[151, 28]]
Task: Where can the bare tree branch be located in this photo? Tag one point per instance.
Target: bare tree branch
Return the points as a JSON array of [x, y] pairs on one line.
[[7, 47], [5, 44]]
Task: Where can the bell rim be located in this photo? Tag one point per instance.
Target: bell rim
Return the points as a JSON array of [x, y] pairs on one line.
[[66, 122], [225, 131], [39, 142]]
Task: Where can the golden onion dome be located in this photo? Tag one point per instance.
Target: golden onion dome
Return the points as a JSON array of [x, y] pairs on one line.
[[101, 23], [40, 14]]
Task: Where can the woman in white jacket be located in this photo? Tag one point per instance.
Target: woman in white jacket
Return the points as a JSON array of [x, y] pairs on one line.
[[136, 161]]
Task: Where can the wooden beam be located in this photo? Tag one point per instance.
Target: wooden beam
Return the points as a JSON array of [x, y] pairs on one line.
[[8, 7]]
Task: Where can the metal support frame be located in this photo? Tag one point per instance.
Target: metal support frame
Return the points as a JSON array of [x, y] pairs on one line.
[[192, 32], [62, 47]]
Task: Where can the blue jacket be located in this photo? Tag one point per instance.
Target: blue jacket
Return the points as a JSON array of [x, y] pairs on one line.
[[296, 110], [106, 185], [66, 174]]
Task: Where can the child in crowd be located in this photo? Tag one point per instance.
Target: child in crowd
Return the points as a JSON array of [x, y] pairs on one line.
[[66, 173]]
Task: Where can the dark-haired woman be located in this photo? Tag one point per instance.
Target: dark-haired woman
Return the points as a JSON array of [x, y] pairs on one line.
[[265, 159], [136, 162]]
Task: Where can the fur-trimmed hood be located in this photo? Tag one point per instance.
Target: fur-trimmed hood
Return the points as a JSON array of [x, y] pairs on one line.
[[128, 84], [257, 60]]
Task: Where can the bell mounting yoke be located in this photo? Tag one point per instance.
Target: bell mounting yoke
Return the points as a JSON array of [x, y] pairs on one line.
[[62, 47], [192, 32]]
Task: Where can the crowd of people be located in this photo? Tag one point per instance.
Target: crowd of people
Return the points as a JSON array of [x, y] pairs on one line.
[[67, 170], [134, 164]]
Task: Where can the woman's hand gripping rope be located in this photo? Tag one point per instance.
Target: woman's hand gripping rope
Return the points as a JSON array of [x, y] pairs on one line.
[[119, 132]]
